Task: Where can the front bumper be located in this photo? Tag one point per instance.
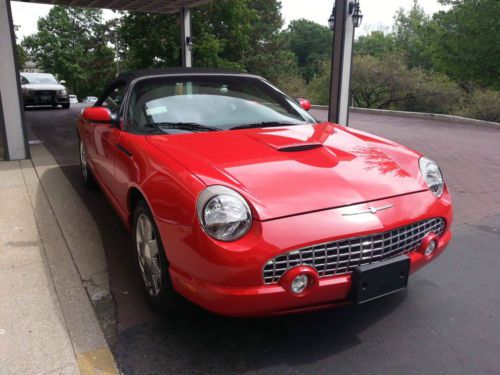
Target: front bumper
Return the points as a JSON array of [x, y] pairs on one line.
[[44, 98], [226, 278]]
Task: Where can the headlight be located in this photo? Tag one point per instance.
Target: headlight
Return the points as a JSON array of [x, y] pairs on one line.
[[62, 92], [223, 213], [432, 175], [28, 92]]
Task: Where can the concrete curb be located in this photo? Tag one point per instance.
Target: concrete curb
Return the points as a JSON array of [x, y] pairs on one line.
[[420, 115], [75, 258]]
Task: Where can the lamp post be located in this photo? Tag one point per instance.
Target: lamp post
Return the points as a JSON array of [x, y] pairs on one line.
[[355, 12], [346, 15], [331, 20]]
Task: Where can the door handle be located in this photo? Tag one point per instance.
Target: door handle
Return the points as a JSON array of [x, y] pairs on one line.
[[124, 150]]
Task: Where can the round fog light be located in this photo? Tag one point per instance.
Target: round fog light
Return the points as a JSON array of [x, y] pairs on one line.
[[430, 248], [299, 283]]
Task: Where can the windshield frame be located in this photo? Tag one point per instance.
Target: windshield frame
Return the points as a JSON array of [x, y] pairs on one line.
[[130, 87]]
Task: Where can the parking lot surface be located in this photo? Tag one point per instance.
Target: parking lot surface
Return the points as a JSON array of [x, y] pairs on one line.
[[446, 322]]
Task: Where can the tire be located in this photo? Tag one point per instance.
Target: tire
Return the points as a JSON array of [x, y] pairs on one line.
[[87, 177], [65, 105], [152, 262]]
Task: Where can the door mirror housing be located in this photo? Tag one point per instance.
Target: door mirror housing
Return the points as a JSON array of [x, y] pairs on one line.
[[304, 103], [100, 115], [62, 82]]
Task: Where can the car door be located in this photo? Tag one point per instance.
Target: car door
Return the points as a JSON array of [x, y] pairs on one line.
[[105, 137]]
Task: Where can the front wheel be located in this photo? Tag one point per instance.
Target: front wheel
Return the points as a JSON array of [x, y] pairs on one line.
[[65, 105], [88, 179], [152, 262]]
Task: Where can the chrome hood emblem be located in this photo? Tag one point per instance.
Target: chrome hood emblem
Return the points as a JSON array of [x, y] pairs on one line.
[[370, 210]]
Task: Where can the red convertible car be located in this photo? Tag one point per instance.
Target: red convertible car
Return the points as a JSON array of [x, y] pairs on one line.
[[240, 201]]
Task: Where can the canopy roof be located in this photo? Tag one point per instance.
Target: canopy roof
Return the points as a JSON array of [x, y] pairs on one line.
[[149, 6]]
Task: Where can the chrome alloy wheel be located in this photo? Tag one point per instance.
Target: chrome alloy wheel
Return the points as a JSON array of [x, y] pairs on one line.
[[148, 254], [83, 161]]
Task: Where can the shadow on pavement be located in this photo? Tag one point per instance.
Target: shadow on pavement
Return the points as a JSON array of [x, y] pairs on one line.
[[199, 342]]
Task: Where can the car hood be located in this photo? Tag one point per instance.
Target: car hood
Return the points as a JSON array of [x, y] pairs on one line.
[[43, 86], [292, 170]]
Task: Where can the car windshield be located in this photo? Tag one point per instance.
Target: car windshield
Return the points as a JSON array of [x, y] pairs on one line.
[[35, 78], [217, 102]]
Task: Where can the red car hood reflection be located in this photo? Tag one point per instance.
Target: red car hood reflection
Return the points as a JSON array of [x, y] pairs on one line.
[[291, 170]]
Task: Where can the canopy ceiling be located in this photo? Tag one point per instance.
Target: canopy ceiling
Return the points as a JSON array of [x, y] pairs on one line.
[[149, 6]]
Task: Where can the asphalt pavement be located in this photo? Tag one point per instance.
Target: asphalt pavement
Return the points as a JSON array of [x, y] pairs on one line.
[[448, 321]]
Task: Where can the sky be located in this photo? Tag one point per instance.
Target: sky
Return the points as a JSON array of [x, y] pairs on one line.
[[377, 14]]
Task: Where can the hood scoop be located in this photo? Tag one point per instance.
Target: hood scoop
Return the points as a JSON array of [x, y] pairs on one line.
[[299, 147]]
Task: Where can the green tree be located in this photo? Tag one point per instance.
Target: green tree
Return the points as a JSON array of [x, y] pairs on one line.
[[71, 43], [377, 43], [268, 54], [147, 40], [311, 43], [411, 35], [465, 42], [221, 33], [238, 34], [22, 54], [221, 37]]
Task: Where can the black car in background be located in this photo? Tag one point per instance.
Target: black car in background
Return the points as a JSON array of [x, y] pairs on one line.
[[43, 89]]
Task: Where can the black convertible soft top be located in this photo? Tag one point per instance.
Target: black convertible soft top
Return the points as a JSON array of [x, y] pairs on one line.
[[130, 76]]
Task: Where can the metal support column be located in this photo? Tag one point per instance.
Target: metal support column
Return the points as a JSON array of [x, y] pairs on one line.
[[340, 84], [186, 40], [12, 116]]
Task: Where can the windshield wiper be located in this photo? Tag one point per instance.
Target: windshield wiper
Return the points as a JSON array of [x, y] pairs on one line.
[[181, 125], [263, 124]]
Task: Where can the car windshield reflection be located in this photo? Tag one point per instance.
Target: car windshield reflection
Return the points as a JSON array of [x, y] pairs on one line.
[[40, 78], [221, 102]]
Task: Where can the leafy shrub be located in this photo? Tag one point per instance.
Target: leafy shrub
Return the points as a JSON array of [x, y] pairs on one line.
[[380, 82], [319, 87], [431, 92], [482, 105], [385, 82], [293, 85]]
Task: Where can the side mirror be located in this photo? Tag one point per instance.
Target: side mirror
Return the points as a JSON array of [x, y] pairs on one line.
[[304, 103], [62, 82], [100, 115]]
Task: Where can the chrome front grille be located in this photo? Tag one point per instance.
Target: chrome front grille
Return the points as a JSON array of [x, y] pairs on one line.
[[342, 256]]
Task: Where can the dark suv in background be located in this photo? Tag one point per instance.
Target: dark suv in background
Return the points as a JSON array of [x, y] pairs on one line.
[[43, 89]]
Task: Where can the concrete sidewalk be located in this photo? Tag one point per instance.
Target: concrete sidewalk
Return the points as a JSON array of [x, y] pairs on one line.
[[47, 323]]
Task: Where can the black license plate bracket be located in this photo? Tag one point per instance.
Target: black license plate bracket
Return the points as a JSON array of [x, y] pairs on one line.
[[372, 281]]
